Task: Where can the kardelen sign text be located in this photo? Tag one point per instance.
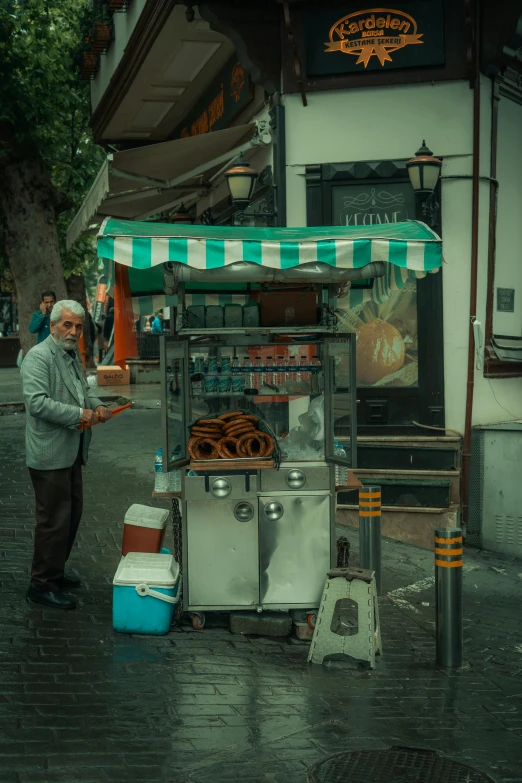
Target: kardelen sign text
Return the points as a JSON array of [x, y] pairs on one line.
[[408, 35]]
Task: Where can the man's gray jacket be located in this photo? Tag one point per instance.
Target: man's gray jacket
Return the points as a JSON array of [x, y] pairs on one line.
[[53, 408]]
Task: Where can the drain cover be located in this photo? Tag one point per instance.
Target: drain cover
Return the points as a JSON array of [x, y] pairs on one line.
[[394, 765]]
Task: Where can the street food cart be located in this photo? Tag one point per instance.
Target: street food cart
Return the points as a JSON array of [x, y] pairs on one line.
[[259, 396]]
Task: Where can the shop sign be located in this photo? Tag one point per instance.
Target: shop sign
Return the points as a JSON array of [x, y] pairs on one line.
[[220, 104], [371, 205], [409, 35], [505, 300]]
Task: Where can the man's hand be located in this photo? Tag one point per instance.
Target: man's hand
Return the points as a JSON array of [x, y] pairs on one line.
[[104, 414], [89, 417], [43, 308]]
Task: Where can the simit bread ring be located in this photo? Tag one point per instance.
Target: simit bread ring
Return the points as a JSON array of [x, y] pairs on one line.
[[227, 448], [208, 432], [230, 425], [208, 423], [230, 415], [240, 430], [269, 443], [204, 448], [249, 445]]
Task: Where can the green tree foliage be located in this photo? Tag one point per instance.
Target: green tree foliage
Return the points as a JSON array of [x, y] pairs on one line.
[[45, 108]]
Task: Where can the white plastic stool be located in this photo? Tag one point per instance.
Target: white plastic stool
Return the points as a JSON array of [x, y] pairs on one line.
[[357, 585]]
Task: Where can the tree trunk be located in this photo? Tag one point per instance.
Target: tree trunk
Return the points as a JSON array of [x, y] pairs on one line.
[[30, 238], [76, 290]]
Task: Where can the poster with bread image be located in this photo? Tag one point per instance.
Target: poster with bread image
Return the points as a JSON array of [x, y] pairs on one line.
[[387, 347]]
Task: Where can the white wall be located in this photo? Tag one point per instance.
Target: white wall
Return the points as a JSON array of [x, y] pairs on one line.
[[390, 123], [124, 24]]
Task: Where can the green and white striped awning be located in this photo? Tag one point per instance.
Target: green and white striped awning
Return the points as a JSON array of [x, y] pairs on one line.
[[408, 245]]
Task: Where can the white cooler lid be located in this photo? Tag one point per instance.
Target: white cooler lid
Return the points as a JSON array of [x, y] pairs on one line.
[[146, 516], [146, 568]]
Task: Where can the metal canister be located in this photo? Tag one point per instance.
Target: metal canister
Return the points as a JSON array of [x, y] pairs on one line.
[[224, 383], [238, 384], [211, 383]]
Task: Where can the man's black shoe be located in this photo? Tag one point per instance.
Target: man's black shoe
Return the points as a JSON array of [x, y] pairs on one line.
[[70, 581], [52, 598]]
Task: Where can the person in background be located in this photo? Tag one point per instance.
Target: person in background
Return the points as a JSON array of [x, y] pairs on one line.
[[100, 340], [108, 327], [40, 320], [57, 401], [157, 324]]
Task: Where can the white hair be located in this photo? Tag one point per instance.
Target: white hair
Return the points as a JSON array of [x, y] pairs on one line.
[[66, 304]]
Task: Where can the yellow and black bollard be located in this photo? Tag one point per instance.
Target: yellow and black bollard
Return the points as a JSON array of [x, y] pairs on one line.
[[370, 531], [448, 595]]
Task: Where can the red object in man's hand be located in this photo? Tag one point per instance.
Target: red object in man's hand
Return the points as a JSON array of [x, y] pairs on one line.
[[114, 412]]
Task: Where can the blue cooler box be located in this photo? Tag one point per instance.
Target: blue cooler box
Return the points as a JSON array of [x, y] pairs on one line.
[[145, 592]]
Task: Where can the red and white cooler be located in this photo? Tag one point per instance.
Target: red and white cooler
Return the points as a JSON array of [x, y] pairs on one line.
[[144, 529]]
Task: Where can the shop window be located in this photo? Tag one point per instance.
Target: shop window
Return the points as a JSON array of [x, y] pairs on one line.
[[398, 319]]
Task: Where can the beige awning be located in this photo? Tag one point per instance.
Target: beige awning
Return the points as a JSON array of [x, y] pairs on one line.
[[139, 183]]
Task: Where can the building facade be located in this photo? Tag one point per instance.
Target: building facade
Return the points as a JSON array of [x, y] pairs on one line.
[[348, 93]]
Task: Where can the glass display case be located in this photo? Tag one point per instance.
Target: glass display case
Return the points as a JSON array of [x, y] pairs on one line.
[[260, 534], [302, 387]]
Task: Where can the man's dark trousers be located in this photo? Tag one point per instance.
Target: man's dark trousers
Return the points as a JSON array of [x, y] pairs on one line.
[[59, 504]]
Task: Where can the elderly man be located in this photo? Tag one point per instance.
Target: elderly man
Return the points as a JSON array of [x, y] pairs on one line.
[[57, 401]]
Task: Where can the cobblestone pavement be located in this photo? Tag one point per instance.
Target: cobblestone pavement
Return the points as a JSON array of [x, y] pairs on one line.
[[80, 704]]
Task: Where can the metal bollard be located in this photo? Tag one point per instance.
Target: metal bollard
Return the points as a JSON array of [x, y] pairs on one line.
[[448, 595], [370, 531]]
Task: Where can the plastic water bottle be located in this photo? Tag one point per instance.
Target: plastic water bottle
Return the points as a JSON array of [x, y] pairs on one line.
[[304, 370], [315, 367], [160, 478], [257, 371], [174, 477], [281, 371], [341, 472], [246, 369], [291, 368], [268, 373]]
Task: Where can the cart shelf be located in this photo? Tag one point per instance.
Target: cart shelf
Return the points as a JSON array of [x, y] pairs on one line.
[[242, 330], [231, 464]]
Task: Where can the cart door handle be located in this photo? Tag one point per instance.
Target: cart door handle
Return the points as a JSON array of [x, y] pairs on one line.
[[273, 511], [244, 512]]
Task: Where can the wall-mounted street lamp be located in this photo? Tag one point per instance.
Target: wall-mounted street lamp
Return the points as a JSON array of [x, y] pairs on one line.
[[241, 179], [424, 172]]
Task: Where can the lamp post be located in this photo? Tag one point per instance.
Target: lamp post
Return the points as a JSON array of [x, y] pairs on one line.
[[424, 171]]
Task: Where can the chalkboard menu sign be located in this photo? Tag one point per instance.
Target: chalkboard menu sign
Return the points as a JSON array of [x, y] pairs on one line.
[[355, 39], [370, 205]]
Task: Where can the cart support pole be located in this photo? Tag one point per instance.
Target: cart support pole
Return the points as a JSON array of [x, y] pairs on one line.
[[448, 595], [370, 531]]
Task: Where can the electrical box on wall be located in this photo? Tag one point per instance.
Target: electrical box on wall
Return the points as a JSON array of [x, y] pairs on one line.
[[495, 509]]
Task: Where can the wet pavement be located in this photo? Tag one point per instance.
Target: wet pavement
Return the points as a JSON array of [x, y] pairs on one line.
[[80, 704]]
